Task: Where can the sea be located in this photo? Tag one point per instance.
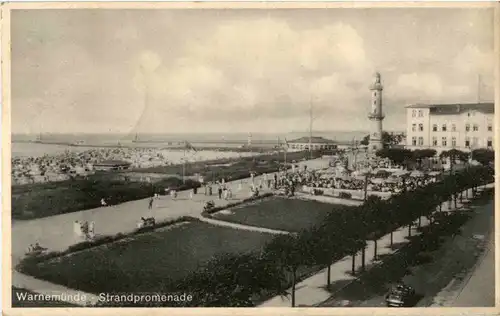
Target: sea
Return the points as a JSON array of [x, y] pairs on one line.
[[24, 145]]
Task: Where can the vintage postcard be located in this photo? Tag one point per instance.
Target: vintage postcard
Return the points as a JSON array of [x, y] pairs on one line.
[[323, 156]]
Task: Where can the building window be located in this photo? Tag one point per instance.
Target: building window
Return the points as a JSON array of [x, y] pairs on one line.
[[443, 128], [434, 141], [414, 141], [475, 127], [434, 127], [467, 127], [467, 142], [413, 113], [420, 141], [443, 142], [421, 127], [420, 113], [453, 142], [453, 128], [414, 127], [490, 127], [489, 143]]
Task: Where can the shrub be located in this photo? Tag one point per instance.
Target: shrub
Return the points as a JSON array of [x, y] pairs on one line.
[[345, 195], [207, 213]]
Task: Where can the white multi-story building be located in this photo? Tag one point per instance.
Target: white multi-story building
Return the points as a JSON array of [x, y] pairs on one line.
[[446, 126]]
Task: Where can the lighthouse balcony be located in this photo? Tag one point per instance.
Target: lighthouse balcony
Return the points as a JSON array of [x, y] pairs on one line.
[[376, 116]]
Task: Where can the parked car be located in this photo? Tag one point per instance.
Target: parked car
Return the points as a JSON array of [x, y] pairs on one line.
[[400, 295]]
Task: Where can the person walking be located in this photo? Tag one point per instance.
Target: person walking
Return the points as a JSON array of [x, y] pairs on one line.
[[220, 192], [150, 206]]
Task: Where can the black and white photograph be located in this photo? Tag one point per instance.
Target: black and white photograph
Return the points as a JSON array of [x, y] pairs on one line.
[[258, 155]]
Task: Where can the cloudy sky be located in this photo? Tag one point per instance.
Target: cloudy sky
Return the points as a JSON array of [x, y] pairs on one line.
[[127, 71]]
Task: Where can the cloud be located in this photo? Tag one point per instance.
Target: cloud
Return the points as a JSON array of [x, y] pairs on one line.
[[212, 70], [260, 67], [471, 60]]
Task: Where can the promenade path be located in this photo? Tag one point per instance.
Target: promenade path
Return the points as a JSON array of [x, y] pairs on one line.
[[56, 232], [312, 291]]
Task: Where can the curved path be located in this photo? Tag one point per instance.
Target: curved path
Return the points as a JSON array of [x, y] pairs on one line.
[[56, 232]]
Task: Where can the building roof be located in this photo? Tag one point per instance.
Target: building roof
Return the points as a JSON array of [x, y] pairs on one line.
[[456, 108], [314, 140], [112, 163]]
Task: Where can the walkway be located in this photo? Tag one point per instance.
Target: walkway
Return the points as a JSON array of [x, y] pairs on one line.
[[55, 291], [311, 291], [327, 199], [56, 232], [243, 227]]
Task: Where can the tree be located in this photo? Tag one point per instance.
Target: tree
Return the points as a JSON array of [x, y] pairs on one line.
[[290, 252], [388, 139], [421, 154], [454, 155], [483, 156], [398, 156], [376, 218], [230, 280], [326, 246]]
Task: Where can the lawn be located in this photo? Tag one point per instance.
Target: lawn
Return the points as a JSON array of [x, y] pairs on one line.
[[150, 262], [280, 213]]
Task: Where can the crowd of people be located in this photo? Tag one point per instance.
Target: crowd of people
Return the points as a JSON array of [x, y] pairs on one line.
[[62, 166]]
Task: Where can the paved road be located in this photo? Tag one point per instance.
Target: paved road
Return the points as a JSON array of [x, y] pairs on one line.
[[452, 261], [480, 289]]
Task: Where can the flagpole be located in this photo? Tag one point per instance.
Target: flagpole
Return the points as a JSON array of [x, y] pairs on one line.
[[310, 128], [184, 167], [284, 153]]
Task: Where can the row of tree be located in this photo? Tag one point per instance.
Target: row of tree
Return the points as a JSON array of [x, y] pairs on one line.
[[235, 280], [405, 157]]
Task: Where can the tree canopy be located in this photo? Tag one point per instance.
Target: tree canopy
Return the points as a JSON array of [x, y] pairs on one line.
[[398, 156], [483, 156], [388, 139]]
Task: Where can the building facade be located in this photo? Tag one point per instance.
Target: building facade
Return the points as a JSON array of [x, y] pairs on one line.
[[445, 126], [317, 143], [376, 116]]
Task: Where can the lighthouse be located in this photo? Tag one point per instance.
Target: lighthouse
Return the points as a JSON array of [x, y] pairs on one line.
[[376, 116]]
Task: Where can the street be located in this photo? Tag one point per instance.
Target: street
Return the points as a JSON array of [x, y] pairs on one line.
[[444, 270]]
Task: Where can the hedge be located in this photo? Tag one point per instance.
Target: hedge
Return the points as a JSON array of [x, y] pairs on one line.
[[207, 213], [29, 263]]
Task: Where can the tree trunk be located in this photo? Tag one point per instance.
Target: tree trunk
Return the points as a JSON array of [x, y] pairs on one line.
[[409, 230], [293, 286], [455, 200], [419, 221], [328, 277], [363, 255], [392, 238], [353, 268], [375, 250], [440, 206]]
